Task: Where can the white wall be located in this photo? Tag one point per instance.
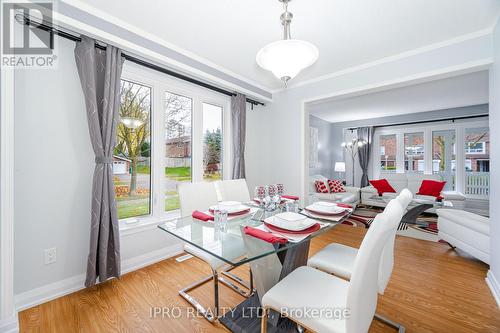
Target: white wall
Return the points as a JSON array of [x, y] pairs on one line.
[[53, 171], [287, 110], [494, 274]]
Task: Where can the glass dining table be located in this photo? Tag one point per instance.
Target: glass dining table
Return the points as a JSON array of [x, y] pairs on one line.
[[269, 263]]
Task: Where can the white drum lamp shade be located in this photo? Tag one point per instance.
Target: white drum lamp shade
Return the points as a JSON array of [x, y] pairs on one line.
[[339, 167]]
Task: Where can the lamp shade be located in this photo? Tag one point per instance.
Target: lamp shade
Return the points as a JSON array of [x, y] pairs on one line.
[[339, 167], [286, 58]]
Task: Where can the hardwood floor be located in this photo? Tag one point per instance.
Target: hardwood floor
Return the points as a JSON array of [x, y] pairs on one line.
[[432, 289]]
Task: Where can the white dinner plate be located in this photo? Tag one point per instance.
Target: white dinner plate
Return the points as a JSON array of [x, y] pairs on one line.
[[297, 225], [231, 209], [326, 210]]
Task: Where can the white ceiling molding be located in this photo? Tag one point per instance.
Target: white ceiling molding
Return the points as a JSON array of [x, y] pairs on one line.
[[84, 28], [444, 93], [395, 57]]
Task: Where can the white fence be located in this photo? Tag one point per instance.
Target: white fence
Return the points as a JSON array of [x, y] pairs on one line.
[[477, 183], [176, 162]]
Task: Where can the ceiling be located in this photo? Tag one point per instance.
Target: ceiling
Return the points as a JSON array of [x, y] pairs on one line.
[[464, 90], [348, 33]]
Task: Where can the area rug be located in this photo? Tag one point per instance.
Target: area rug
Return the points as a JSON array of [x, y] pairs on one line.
[[364, 216]]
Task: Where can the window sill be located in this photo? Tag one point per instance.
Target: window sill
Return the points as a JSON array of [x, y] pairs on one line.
[[140, 224]]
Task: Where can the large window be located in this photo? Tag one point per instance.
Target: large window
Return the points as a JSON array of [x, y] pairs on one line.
[[414, 152], [388, 150], [443, 156], [477, 161], [212, 142], [178, 146], [131, 158], [459, 152], [170, 132]]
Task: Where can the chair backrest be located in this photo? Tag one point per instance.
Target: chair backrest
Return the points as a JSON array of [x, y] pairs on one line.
[[233, 190], [405, 197], [196, 196], [362, 292], [387, 260]]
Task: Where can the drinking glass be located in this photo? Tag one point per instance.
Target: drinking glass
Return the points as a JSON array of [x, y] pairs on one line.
[[271, 190], [260, 193], [220, 219], [292, 206], [280, 189]]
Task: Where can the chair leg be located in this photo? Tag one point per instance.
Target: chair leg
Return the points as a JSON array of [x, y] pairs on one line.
[[216, 291], [263, 323], [191, 300], [239, 280], [399, 327]]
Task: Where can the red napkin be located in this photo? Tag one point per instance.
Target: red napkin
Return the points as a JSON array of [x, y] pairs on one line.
[[291, 197], [202, 216], [343, 205], [265, 236]]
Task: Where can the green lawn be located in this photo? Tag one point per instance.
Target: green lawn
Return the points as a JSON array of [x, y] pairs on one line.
[[180, 173], [144, 169], [133, 209]]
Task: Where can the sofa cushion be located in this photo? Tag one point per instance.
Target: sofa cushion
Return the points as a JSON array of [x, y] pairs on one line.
[[335, 186], [431, 187], [382, 186], [320, 186], [398, 181], [414, 180], [467, 219], [345, 197]]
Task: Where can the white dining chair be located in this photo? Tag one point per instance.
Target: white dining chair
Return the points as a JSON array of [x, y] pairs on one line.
[[200, 196], [232, 190], [307, 288], [339, 259]]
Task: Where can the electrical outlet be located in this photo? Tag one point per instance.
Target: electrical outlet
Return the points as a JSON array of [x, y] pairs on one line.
[[50, 255]]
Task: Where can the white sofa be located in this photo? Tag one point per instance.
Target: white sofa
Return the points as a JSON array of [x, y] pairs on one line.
[[350, 196], [411, 181], [467, 231]]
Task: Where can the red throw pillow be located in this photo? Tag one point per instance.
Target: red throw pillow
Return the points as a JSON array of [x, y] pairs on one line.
[[320, 186], [431, 187], [335, 186], [382, 186]]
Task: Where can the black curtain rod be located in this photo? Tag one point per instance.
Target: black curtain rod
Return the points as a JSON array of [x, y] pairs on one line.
[[52, 30], [425, 121]]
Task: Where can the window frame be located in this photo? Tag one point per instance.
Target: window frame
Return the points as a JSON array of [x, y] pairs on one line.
[[428, 128], [159, 84]]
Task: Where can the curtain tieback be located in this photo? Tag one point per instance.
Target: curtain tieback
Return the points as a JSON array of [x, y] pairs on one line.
[[103, 160]]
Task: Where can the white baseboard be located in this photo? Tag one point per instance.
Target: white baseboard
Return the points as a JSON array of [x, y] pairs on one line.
[[494, 286], [67, 286], [9, 325]]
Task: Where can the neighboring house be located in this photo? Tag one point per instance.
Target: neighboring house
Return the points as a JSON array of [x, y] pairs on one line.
[[121, 165], [178, 147]]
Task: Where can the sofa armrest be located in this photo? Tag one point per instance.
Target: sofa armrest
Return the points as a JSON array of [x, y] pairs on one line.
[[352, 189], [369, 189], [452, 195]]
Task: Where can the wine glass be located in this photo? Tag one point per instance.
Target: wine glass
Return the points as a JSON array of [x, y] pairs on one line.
[[281, 189], [271, 190], [260, 193]]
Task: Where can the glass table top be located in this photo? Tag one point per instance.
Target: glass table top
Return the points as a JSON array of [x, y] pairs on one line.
[[233, 246]]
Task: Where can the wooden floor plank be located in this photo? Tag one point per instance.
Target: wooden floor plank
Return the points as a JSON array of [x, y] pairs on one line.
[[432, 289]]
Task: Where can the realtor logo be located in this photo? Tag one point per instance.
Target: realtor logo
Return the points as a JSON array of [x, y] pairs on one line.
[[27, 40]]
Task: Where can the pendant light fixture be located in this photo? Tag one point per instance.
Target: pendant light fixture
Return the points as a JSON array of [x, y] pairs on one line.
[[287, 57]]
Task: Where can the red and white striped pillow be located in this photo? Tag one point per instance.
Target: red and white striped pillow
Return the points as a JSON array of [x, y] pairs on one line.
[[335, 186], [320, 186]]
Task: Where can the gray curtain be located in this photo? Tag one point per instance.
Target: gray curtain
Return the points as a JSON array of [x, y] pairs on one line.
[[238, 128], [100, 72], [366, 134]]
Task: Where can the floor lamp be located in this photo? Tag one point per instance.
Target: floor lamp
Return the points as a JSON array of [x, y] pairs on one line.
[[352, 147]]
